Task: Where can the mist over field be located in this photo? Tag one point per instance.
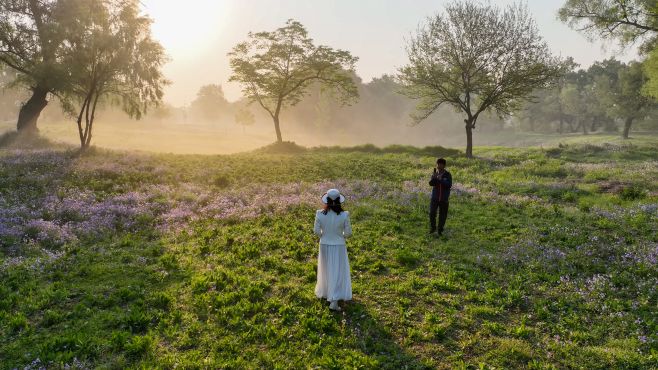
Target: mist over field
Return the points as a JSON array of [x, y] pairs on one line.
[[379, 118], [312, 123], [427, 184]]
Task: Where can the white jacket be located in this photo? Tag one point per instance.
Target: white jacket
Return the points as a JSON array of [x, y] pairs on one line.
[[332, 228]]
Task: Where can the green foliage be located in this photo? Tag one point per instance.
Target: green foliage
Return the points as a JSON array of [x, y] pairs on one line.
[[626, 21], [31, 43], [592, 99], [632, 193], [650, 67]]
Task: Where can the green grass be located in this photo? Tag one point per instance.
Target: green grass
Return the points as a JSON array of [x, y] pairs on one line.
[[541, 266]]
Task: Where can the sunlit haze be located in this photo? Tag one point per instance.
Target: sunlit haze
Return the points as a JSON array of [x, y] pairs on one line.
[[197, 34]]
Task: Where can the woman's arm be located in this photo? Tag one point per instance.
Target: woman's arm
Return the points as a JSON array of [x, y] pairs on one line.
[[316, 226], [347, 229]]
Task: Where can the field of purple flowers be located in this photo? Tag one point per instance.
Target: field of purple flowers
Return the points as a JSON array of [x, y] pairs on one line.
[[120, 259]]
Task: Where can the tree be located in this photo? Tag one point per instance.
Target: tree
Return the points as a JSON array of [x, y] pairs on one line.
[[112, 57], [598, 81], [567, 68], [548, 105], [540, 114], [31, 43], [626, 21], [577, 102], [244, 117], [210, 103], [476, 58], [650, 67], [162, 112], [276, 68], [624, 98]]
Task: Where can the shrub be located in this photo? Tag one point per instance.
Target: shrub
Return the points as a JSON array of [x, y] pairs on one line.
[[632, 192]]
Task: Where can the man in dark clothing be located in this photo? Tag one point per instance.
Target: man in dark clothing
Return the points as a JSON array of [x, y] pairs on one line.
[[441, 183]]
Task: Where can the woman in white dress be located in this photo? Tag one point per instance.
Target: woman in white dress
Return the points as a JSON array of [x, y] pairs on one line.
[[332, 225]]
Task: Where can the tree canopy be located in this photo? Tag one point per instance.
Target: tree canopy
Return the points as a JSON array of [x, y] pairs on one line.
[[476, 58], [31, 42], [111, 57], [210, 103], [276, 68], [626, 21]]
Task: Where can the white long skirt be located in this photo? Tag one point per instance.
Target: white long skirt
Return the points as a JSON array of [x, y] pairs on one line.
[[334, 282]]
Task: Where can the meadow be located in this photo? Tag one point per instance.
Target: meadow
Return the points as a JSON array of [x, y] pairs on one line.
[[114, 259]]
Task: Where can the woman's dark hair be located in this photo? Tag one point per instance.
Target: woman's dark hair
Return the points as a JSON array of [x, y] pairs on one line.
[[441, 161], [333, 205]]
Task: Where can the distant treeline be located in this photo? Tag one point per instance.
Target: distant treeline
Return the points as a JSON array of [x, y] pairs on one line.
[[583, 101], [607, 96]]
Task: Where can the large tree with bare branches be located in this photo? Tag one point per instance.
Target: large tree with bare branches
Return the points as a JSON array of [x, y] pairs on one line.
[[476, 57], [276, 68]]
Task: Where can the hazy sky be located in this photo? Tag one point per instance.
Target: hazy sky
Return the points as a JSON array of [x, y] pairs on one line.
[[198, 33]]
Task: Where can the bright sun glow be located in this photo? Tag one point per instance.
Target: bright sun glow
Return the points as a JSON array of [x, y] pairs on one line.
[[187, 28]]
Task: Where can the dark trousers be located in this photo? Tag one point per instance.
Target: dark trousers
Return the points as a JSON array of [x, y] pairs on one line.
[[442, 207]]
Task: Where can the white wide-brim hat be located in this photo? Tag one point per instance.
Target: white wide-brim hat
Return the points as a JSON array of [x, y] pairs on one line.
[[332, 194]]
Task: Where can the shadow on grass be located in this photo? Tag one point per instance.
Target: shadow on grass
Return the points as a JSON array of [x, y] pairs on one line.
[[431, 151], [373, 339], [603, 152], [17, 140]]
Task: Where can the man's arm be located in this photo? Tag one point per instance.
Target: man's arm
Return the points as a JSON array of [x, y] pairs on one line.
[[434, 180], [446, 180]]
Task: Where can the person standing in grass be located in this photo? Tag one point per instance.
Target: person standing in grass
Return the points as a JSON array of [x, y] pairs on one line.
[[441, 182], [332, 225]]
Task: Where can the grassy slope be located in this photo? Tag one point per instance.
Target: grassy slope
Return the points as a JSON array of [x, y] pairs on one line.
[[532, 272]]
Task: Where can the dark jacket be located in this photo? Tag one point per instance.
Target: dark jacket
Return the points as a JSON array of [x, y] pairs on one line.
[[441, 186]]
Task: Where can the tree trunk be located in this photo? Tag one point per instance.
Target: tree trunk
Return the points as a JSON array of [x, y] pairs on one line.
[[277, 129], [469, 139], [560, 113], [83, 132], [584, 124], [31, 110], [627, 127], [572, 128]]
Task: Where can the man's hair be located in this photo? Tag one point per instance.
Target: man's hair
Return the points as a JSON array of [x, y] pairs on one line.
[[441, 161]]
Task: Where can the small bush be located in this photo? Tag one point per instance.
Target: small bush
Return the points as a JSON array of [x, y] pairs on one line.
[[18, 323], [632, 193], [222, 181]]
